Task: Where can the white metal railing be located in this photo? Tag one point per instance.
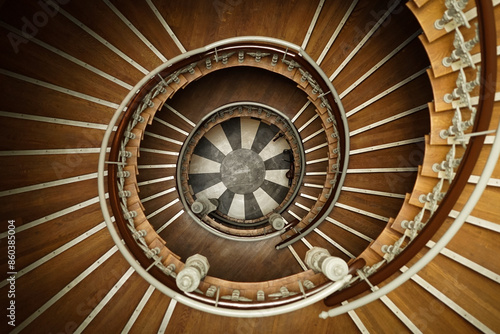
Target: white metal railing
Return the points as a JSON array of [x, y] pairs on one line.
[[446, 170], [287, 302]]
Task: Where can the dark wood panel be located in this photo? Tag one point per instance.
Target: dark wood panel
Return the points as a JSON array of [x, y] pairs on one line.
[[396, 29], [32, 205], [368, 226], [72, 309], [426, 312], [143, 19], [380, 205], [19, 134], [454, 281], [114, 316], [101, 19], [410, 127], [230, 260], [30, 246], [58, 31], [224, 19], [53, 276], [150, 318], [46, 102], [400, 156], [29, 170], [48, 67], [238, 84]]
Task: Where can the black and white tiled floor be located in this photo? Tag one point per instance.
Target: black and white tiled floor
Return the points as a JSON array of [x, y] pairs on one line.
[[238, 163]]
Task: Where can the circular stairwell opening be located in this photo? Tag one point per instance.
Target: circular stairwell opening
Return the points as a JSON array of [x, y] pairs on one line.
[[246, 159]]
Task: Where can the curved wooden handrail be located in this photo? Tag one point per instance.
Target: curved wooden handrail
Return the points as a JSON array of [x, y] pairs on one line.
[[114, 198], [487, 32]]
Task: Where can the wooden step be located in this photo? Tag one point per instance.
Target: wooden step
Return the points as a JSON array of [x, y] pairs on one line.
[[429, 13], [446, 84]]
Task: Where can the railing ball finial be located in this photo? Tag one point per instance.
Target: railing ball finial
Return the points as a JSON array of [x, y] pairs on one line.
[[320, 260], [276, 221], [189, 278]]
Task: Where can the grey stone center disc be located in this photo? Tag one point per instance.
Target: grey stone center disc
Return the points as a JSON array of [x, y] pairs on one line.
[[243, 171]]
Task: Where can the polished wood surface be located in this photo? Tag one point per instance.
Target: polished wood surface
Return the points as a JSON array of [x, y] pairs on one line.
[[197, 24]]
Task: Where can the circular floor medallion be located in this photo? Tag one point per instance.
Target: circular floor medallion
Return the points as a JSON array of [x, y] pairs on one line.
[[243, 171]]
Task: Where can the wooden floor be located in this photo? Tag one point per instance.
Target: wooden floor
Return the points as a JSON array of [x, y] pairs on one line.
[[61, 87]]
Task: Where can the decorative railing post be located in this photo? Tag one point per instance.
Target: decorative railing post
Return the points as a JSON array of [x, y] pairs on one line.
[[203, 206], [320, 260], [276, 221], [189, 278]]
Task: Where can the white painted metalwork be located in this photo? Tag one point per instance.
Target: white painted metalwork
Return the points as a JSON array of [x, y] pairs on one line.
[[312, 185], [357, 321], [173, 127], [320, 260], [161, 193], [49, 184], [195, 269], [307, 243], [166, 206], [58, 88], [184, 118], [398, 313], [478, 222], [491, 182], [373, 192], [349, 229], [387, 120], [297, 115], [364, 40], [296, 216], [363, 212], [166, 26], [448, 302], [168, 316], [170, 140], [313, 135], [309, 197], [104, 301], [334, 243], [382, 170], [152, 150], [386, 92], [310, 162], [54, 120], [170, 221], [380, 63], [306, 124], [467, 263], [68, 57], [191, 301], [303, 207], [313, 23], [53, 151], [131, 321], [161, 179], [316, 173], [103, 41], [336, 32], [156, 166], [64, 291], [388, 145], [297, 257], [440, 244], [136, 31], [57, 251], [317, 147], [57, 214]]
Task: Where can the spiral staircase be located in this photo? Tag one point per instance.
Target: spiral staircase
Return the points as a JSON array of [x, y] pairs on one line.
[[362, 189]]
